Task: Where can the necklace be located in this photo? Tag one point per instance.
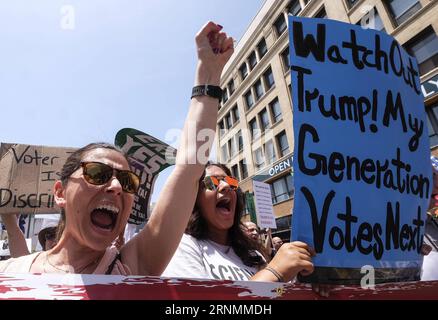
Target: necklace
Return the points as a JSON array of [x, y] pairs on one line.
[[71, 270]]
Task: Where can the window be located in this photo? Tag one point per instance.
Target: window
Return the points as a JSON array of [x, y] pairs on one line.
[[249, 99], [231, 87], [259, 158], [285, 59], [402, 10], [372, 20], [280, 25], [224, 154], [235, 113], [351, 3], [224, 95], [231, 147], [264, 120], [321, 13], [270, 152], [282, 189], [228, 121], [243, 71], [275, 110], [255, 131], [283, 228], [221, 128], [424, 47], [239, 139], [252, 59], [243, 169], [235, 171], [262, 48], [294, 7], [283, 222], [432, 124], [269, 79], [258, 89], [282, 143]]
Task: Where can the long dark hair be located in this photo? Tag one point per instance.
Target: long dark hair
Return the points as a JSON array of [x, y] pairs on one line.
[[243, 246], [72, 164]]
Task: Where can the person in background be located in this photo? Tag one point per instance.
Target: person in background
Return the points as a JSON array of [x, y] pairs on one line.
[[252, 230], [17, 241], [16, 238], [430, 241], [215, 245], [262, 237], [47, 236], [431, 228], [276, 244]]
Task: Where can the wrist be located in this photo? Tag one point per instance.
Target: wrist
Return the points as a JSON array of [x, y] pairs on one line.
[[207, 90], [277, 275], [205, 75]]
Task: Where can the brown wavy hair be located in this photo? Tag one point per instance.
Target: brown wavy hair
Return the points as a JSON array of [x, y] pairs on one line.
[[72, 164], [242, 245]]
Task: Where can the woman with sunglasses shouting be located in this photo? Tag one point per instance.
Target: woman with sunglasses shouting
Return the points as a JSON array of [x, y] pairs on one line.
[[97, 188], [215, 245]]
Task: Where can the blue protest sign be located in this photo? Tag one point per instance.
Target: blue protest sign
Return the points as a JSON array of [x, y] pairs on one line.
[[362, 169]]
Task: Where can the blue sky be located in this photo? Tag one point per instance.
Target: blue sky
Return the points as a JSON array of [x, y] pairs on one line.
[[124, 64]]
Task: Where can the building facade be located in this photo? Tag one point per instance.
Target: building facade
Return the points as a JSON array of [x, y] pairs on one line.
[[255, 133]]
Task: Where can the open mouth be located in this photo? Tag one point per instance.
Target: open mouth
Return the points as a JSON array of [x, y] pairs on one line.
[[224, 205], [105, 216]]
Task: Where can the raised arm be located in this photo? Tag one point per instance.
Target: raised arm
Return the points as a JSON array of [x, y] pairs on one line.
[[150, 252], [16, 239]]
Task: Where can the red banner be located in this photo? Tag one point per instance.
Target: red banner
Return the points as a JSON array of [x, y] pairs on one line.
[[102, 287]]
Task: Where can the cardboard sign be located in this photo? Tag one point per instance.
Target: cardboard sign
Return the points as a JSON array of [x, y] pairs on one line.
[[263, 204], [362, 168], [27, 175], [148, 156]]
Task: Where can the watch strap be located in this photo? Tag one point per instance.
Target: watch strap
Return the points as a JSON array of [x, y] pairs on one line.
[[207, 90]]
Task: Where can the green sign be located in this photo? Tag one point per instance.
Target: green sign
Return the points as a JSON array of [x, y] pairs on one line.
[[148, 156]]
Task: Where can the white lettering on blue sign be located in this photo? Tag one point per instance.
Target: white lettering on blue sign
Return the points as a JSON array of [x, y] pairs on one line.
[[280, 167]]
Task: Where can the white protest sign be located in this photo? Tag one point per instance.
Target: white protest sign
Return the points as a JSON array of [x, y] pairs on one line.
[[264, 207]]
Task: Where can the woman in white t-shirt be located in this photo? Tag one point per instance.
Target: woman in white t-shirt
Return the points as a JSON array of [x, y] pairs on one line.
[[215, 245]]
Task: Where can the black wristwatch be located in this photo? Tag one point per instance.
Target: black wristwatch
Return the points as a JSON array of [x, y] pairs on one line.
[[207, 90]]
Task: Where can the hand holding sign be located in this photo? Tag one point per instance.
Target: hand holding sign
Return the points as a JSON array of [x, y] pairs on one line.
[[291, 259]]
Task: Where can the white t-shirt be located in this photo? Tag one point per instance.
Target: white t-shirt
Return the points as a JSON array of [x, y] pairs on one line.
[[207, 259]]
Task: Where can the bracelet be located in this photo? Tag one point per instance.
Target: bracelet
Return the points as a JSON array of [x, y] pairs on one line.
[[207, 90], [275, 273]]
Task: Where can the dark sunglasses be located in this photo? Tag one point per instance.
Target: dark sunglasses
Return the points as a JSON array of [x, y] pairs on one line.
[[212, 182], [98, 173]]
